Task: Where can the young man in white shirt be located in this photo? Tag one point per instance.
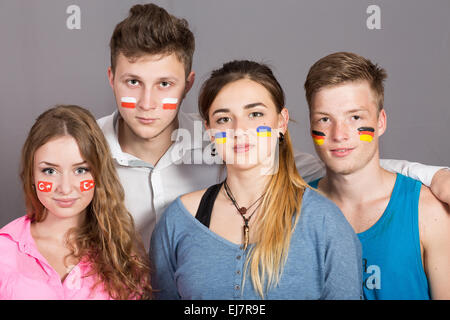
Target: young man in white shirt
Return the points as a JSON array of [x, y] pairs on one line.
[[158, 149]]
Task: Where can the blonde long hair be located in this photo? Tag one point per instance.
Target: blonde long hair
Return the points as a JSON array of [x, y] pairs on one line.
[[108, 238], [280, 208]]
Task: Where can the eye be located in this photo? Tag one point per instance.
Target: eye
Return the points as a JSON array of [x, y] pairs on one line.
[[324, 119], [165, 84], [81, 170], [256, 114], [356, 117], [49, 171], [223, 120], [133, 82]]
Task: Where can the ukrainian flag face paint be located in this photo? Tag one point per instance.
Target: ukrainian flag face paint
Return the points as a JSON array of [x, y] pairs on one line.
[[366, 133], [264, 131], [318, 137], [221, 137]]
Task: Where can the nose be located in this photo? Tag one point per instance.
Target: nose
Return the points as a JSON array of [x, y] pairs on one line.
[[146, 101], [339, 131], [65, 184]]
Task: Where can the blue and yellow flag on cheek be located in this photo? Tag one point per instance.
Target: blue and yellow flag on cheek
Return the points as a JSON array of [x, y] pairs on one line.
[[264, 131], [221, 137]]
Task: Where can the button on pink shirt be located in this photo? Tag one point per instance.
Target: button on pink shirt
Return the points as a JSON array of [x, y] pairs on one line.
[[26, 274]]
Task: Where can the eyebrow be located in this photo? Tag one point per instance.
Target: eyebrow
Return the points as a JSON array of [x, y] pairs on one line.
[[349, 111], [55, 165], [246, 107]]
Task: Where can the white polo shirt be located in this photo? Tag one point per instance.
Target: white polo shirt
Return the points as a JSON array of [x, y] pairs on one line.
[[184, 168]]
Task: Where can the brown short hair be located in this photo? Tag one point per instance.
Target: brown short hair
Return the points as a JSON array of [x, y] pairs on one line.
[[341, 67], [149, 29]]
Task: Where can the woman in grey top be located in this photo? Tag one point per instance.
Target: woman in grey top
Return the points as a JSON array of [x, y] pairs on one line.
[[261, 233]]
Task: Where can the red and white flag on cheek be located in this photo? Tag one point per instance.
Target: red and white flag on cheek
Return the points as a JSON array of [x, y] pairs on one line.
[[128, 102], [170, 103], [86, 185], [44, 186]]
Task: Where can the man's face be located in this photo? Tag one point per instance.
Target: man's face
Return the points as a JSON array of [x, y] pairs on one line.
[[345, 126], [149, 91]]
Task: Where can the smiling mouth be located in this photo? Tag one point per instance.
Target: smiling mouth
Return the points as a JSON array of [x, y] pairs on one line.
[[241, 148], [65, 203]]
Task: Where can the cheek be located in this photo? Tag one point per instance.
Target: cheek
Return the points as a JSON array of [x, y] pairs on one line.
[[128, 103], [318, 137]]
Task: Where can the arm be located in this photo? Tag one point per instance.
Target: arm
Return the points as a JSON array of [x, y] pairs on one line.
[[163, 265], [434, 228], [437, 178]]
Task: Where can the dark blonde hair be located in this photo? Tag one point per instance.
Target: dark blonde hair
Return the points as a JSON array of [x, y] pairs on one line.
[[149, 29], [281, 204], [341, 67], [108, 237]]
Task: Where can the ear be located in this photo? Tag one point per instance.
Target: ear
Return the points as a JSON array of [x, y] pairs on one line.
[[189, 82], [111, 77], [283, 119], [382, 119]]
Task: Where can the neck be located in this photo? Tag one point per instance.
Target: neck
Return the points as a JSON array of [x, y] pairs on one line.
[[246, 185], [347, 188], [55, 229], [149, 150]]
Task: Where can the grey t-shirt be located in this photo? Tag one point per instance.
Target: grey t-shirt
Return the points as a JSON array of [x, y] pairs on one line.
[[192, 262]]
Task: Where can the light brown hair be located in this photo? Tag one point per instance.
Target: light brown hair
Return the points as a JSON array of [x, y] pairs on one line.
[[281, 204], [149, 29], [341, 67], [108, 237]]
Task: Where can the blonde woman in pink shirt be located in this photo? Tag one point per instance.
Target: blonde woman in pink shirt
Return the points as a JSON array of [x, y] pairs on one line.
[[77, 240]]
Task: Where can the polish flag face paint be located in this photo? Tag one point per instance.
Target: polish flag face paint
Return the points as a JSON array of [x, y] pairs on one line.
[[264, 131], [86, 185], [170, 103], [221, 137], [318, 137], [44, 186], [128, 102], [366, 133]]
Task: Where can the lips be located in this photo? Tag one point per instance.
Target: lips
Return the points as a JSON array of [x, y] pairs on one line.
[[65, 203], [341, 152], [144, 120], [241, 148]]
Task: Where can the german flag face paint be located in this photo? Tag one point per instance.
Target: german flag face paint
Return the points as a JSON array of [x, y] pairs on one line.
[[170, 103], [221, 137], [366, 133], [128, 102], [264, 131], [86, 185], [44, 186], [318, 137]]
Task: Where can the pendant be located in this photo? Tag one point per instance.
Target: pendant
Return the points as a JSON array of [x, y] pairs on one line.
[[246, 236], [243, 210]]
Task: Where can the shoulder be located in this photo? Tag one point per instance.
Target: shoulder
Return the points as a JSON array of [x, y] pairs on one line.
[[106, 120], [191, 201], [323, 215], [434, 215]]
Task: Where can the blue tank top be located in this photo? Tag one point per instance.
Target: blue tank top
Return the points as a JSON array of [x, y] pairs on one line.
[[392, 263]]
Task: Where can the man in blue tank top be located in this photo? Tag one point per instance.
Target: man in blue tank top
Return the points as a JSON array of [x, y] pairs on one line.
[[404, 230]]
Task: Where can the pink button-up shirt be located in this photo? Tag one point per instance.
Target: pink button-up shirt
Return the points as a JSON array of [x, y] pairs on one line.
[[26, 274]]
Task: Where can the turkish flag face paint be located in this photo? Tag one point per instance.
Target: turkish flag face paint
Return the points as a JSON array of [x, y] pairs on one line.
[[44, 186], [86, 185], [170, 103], [128, 102]]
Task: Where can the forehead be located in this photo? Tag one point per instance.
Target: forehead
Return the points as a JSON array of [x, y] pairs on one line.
[[60, 150], [344, 97], [242, 92], [151, 64]]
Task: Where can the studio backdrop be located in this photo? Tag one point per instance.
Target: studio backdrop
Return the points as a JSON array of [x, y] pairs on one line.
[[56, 52]]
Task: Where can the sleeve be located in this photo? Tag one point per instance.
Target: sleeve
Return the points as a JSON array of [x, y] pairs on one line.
[[415, 170], [343, 259], [309, 167], [162, 255]]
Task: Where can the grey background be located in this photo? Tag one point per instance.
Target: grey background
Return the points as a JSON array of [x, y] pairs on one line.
[[42, 63]]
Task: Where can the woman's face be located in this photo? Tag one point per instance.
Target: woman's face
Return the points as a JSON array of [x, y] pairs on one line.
[[245, 124], [62, 178]]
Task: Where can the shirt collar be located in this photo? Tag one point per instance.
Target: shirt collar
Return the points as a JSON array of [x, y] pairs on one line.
[[20, 232]]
